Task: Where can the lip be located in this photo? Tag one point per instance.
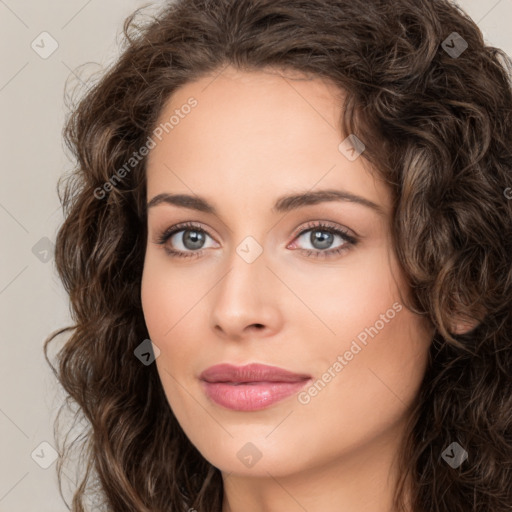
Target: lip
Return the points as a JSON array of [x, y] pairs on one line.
[[251, 387]]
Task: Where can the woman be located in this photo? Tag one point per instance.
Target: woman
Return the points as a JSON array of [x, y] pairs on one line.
[[288, 254]]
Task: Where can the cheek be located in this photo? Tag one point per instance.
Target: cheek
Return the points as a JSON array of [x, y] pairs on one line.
[[165, 297], [171, 304], [165, 302], [370, 395], [157, 299], [383, 346], [345, 298]]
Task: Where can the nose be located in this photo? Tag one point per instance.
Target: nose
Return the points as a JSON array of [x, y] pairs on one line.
[[246, 301]]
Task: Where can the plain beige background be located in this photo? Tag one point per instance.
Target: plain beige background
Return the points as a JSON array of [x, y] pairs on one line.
[[32, 301]]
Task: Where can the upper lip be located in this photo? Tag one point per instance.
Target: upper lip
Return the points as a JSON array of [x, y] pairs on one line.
[[250, 373]]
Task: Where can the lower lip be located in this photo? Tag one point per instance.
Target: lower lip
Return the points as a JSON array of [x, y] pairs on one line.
[[251, 396]]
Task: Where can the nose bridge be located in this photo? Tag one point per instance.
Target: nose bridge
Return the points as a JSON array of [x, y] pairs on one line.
[[245, 296], [246, 269]]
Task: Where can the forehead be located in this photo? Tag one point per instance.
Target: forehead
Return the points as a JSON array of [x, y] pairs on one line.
[[253, 107], [252, 133]]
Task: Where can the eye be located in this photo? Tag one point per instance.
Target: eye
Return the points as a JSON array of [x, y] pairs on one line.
[[188, 240], [184, 240], [324, 240]]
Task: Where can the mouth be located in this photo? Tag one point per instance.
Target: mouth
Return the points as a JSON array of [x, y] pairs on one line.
[[251, 387]]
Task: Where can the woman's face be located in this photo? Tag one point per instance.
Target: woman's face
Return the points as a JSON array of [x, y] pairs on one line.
[[255, 280]]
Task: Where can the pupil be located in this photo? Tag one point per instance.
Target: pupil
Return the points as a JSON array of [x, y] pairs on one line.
[[321, 239], [193, 239]]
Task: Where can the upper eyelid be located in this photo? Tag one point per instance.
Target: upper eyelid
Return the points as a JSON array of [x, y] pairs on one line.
[[308, 226], [181, 226], [322, 224]]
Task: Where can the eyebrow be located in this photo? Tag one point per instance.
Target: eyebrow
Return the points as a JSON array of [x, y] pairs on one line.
[[283, 204]]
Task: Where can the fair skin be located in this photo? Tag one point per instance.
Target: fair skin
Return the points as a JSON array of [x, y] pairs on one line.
[[252, 138]]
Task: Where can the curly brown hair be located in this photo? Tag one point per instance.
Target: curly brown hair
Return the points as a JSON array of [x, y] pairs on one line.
[[436, 125]]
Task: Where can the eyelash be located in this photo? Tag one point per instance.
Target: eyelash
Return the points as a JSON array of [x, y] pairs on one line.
[[319, 226]]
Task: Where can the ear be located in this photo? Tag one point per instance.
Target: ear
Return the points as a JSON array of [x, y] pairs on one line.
[[464, 324]]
